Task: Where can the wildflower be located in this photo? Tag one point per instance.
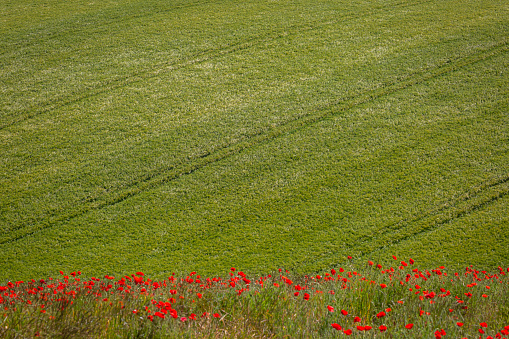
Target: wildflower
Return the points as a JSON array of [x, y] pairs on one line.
[[330, 308], [356, 320], [336, 326], [367, 328], [383, 285], [343, 312], [382, 328], [347, 332], [388, 309], [360, 328], [394, 257], [380, 315], [459, 324], [217, 315], [306, 296], [192, 316], [370, 263], [483, 325], [199, 295], [409, 326], [140, 273], [183, 319]]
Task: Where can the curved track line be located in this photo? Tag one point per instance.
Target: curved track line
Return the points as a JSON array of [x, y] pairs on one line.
[[121, 19], [319, 114], [197, 58]]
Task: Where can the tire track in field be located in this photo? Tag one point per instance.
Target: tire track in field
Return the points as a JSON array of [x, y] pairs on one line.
[[167, 175], [117, 20], [197, 58], [475, 199]]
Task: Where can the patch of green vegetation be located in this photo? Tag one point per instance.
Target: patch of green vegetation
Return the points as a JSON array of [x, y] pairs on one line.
[[198, 135]]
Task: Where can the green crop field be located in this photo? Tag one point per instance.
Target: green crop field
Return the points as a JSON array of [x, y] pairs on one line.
[[177, 135]]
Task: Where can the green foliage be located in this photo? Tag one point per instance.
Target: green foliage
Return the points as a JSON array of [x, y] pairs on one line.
[[185, 135], [281, 305]]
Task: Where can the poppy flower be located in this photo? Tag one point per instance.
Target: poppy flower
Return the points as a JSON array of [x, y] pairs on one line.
[[367, 328], [356, 320], [330, 308], [217, 315], [343, 312], [347, 332], [483, 325], [306, 296], [382, 328], [380, 315], [360, 328], [409, 326], [459, 324], [336, 326], [192, 316], [383, 285]]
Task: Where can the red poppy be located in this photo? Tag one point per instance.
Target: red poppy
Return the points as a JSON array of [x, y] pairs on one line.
[[367, 328], [459, 324], [330, 308], [217, 315], [360, 328], [382, 328], [380, 315], [347, 332], [483, 325], [409, 326], [336, 326], [356, 320], [383, 285], [192, 316], [140, 273], [306, 296], [343, 312], [394, 257]]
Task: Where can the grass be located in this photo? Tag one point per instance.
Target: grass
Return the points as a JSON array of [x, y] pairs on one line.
[[362, 300], [180, 136]]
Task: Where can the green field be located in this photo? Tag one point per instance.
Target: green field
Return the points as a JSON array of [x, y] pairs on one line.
[[170, 136]]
